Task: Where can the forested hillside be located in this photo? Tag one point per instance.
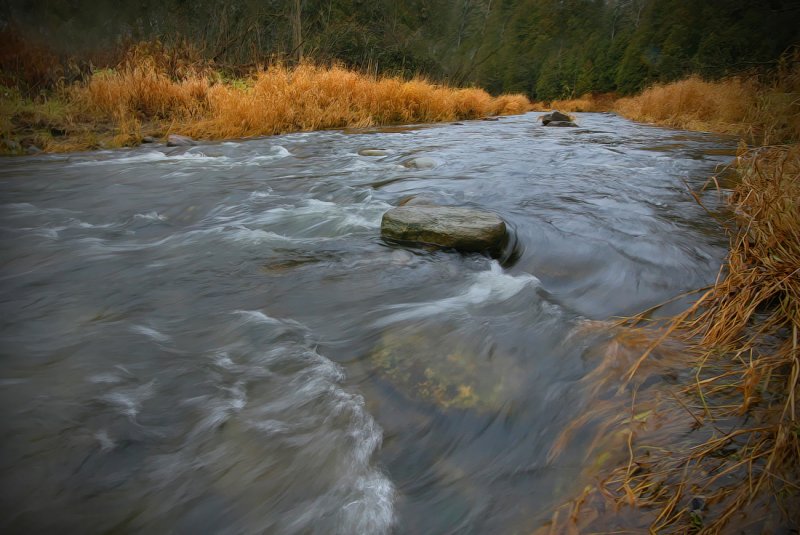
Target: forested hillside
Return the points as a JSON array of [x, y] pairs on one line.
[[545, 48]]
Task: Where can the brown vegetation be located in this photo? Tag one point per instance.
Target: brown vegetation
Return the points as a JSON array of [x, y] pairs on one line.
[[590, 102], [152, 93], [761, 113], [724, 446]]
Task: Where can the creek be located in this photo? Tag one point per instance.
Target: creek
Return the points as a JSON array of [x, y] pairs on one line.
[[215, 339]]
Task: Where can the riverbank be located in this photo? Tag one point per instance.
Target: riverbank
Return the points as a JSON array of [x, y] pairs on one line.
[[736, 455], [143, 99]]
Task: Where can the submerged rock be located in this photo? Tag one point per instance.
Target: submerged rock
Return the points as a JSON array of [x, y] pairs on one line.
[[175, 140], [445, 369], [555, 116], [422, 162], [373, 152], [464, 229]]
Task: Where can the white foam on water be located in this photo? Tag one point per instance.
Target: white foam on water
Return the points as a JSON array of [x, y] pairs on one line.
[[260, 194], [24, 207], [198, 156], [277, 152], [493, 286], [150, 156], [150, 333], [295, 409], [150, 216], [129, 400], [108, 378], [254, 236], [106, 444], [257, 316], [46, 232], [153, 156]]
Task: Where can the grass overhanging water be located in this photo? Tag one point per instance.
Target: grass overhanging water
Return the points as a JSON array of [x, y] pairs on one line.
[[721, 448]]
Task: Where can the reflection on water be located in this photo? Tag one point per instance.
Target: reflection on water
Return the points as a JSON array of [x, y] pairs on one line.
[[216, 340]]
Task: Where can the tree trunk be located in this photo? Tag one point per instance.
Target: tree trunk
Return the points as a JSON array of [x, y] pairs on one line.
[[297, 28]]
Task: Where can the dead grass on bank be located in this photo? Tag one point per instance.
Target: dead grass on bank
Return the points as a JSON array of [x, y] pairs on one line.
[[590, 102], [760, 113], [716, 447], [145, 96], [741, 338], [723, 454]]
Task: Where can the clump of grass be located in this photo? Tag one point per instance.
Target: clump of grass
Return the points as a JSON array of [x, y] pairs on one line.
[[310, 97]]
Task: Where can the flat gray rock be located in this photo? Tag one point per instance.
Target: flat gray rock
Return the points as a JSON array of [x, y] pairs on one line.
[[373, 152], [175, 140], [464, 229]]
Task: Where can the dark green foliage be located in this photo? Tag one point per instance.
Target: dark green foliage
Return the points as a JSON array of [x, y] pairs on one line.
[[545, 48]]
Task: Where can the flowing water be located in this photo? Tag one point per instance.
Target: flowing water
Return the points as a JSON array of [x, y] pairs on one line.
[[217, 340]]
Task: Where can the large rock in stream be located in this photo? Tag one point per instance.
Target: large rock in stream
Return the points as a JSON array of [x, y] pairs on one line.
[[463, 229], [556, 118]]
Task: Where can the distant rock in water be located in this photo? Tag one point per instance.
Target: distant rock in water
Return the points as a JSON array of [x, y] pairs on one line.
[[556, 118], [422, 162], [175, 140], [463, 229]]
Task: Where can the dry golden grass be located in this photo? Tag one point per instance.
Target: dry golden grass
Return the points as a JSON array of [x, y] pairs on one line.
[[760, 113], [590, 102], [147, 94]]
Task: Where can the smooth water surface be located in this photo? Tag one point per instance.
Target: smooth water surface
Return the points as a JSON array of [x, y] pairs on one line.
[[216, 339]]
